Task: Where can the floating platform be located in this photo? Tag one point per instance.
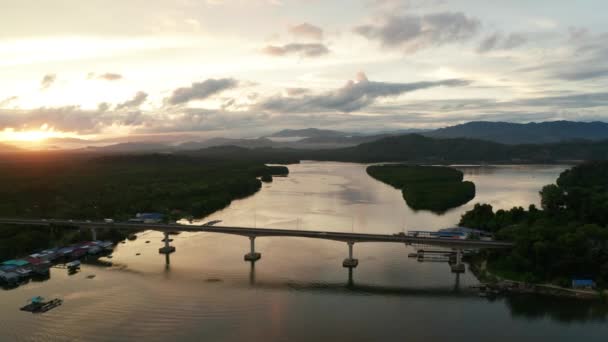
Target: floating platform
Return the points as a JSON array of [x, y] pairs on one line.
[[350, 263], [41, 307], [166, 250], [252, 256], [457, 268]]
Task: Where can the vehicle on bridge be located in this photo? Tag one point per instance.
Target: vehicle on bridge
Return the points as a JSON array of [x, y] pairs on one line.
[[462, 233]]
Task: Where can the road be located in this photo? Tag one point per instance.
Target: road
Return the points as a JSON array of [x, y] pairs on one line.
[[259, 232]]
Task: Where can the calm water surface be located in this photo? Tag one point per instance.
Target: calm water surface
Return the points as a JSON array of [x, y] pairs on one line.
[[299, 291]]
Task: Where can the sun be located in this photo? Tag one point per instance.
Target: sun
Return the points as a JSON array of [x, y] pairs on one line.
[[33, 136]]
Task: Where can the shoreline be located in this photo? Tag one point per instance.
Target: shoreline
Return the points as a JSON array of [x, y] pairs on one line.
[[512, 287]]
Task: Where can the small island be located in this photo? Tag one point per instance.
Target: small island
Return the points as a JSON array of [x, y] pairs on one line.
[[434, 188]]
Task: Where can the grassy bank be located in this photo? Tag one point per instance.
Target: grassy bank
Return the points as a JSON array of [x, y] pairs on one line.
[[434, 188]]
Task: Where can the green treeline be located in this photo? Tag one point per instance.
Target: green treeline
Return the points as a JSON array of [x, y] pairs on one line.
[[115, 187], [567, 238], [121, 186], [434, 188]]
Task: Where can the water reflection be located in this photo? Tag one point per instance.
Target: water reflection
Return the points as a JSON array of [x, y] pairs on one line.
[[562, 310], [205, 291], [457, 282], [351, 282], [252, 272]]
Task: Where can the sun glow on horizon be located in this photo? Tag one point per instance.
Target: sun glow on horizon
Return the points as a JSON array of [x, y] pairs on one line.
[[32, 136]]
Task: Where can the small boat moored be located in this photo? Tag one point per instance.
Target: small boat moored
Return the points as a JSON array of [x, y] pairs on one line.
[[73, 266], [38, 305]]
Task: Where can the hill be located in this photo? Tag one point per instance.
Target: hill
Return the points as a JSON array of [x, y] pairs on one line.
[[530, 133], [421, 149], [248, 143], [131, 147], [308, 133], [413, 148]]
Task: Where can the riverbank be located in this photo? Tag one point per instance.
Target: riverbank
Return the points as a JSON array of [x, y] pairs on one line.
[[496, 284], [117, 187]]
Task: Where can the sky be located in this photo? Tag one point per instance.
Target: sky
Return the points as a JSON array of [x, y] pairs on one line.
[[178, 70]]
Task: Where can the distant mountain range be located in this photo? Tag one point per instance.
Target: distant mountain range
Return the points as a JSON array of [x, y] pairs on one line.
[[500, 132], [249, 143], [308, 133], [530, 133], [321, 139], [415, 148]]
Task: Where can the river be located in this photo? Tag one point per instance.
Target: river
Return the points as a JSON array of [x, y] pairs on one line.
[[299, 291]]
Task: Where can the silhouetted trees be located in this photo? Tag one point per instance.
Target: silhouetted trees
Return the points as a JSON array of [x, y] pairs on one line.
[[434, 188], [567, 239]]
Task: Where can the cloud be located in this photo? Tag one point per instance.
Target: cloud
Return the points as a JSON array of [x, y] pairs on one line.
[[8, 100], [201, 90], [353, 96], [108, 76], [584, 100], [322, 110], [412, 33], [303, 50], [135, 102], [297, 91], [488, 43], [66, 119], [103, 106], [576, 34], [584, 73], [401, 5], [585, 59], [47, 81], [306, 30], [497, 41]]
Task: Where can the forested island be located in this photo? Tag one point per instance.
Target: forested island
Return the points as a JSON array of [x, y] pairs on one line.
[[567, 238], [434, 188], [116, 187]]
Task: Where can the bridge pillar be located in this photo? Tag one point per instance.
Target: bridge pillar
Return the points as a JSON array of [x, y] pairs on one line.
[[166, 249], [350, 261], [252, 256], [94, 234], [458, 267]]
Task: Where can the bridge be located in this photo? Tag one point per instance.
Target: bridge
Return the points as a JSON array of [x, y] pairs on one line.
[[252, 233]]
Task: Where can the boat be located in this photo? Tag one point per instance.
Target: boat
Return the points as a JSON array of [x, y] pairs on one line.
[[38, 305], [73, 266], [211, 223], [23, 272], [107, 245], [94, 250], [9, 277]]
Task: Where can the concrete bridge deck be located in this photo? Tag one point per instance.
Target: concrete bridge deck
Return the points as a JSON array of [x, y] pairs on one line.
[[350, 238]]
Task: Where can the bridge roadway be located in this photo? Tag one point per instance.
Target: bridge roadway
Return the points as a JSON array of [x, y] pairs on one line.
[[252, 233]]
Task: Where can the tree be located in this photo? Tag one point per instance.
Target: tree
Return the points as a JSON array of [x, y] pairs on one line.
[[552, 198], [480, 217]]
